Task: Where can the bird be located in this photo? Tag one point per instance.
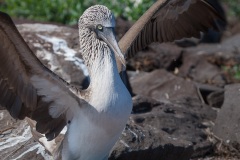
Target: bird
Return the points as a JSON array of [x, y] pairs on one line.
[[96, 116], [99, 113]]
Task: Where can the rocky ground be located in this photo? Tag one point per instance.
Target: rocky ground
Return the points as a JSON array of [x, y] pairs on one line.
[[186, 103]]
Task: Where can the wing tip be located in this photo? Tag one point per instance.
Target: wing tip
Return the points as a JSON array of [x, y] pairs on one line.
[[5, 16], [219, 14]]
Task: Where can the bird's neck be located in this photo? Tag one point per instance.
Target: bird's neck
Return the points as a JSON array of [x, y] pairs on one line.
[[104, 73], [100, 61]]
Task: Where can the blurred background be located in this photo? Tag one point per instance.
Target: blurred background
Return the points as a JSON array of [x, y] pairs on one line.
[[68, 11]]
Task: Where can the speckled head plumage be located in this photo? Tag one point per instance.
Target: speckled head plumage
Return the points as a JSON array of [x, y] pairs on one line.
[[96, 35], [95, 15]]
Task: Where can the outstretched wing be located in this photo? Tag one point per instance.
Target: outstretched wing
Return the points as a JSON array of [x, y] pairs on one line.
[[28, 88], [169, 20]]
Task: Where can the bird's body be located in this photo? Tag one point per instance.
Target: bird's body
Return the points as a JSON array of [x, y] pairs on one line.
[[92, 134], [95, 117], [100, 113], [95, 128]]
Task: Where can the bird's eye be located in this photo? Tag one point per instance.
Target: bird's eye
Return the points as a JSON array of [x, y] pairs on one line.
[[100, 27]]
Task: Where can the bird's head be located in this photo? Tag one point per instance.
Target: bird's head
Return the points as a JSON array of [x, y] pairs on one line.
[[100, 21]]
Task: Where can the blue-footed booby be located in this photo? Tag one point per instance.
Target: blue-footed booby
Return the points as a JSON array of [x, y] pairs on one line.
[[94, 117]]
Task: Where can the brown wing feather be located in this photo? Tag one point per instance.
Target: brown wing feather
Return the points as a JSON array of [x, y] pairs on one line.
[[169, 20], [18, 93]]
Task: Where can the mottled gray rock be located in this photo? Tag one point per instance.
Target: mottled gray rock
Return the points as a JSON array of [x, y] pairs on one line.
[[227, 126], [16, 140], [57, 48]]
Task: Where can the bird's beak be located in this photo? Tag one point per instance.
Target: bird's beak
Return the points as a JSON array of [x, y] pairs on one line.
[[109, 37]]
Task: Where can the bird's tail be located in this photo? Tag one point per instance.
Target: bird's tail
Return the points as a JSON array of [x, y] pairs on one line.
[[50, 146]]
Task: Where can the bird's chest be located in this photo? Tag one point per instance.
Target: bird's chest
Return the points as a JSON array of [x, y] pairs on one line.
[[97, 127], [111, 99], [111, 106]]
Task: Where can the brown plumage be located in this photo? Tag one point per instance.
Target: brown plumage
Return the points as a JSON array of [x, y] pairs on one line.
[[17, 94], [169, 20]]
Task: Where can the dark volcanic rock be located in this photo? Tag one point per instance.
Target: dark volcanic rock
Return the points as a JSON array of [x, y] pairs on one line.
[[157, 56], [215, 99], [182, 115], [211, 95], [228, 119], [203, 63], [165, 131], [143, 104], [162, 85], [227, 48], [197, 68]]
